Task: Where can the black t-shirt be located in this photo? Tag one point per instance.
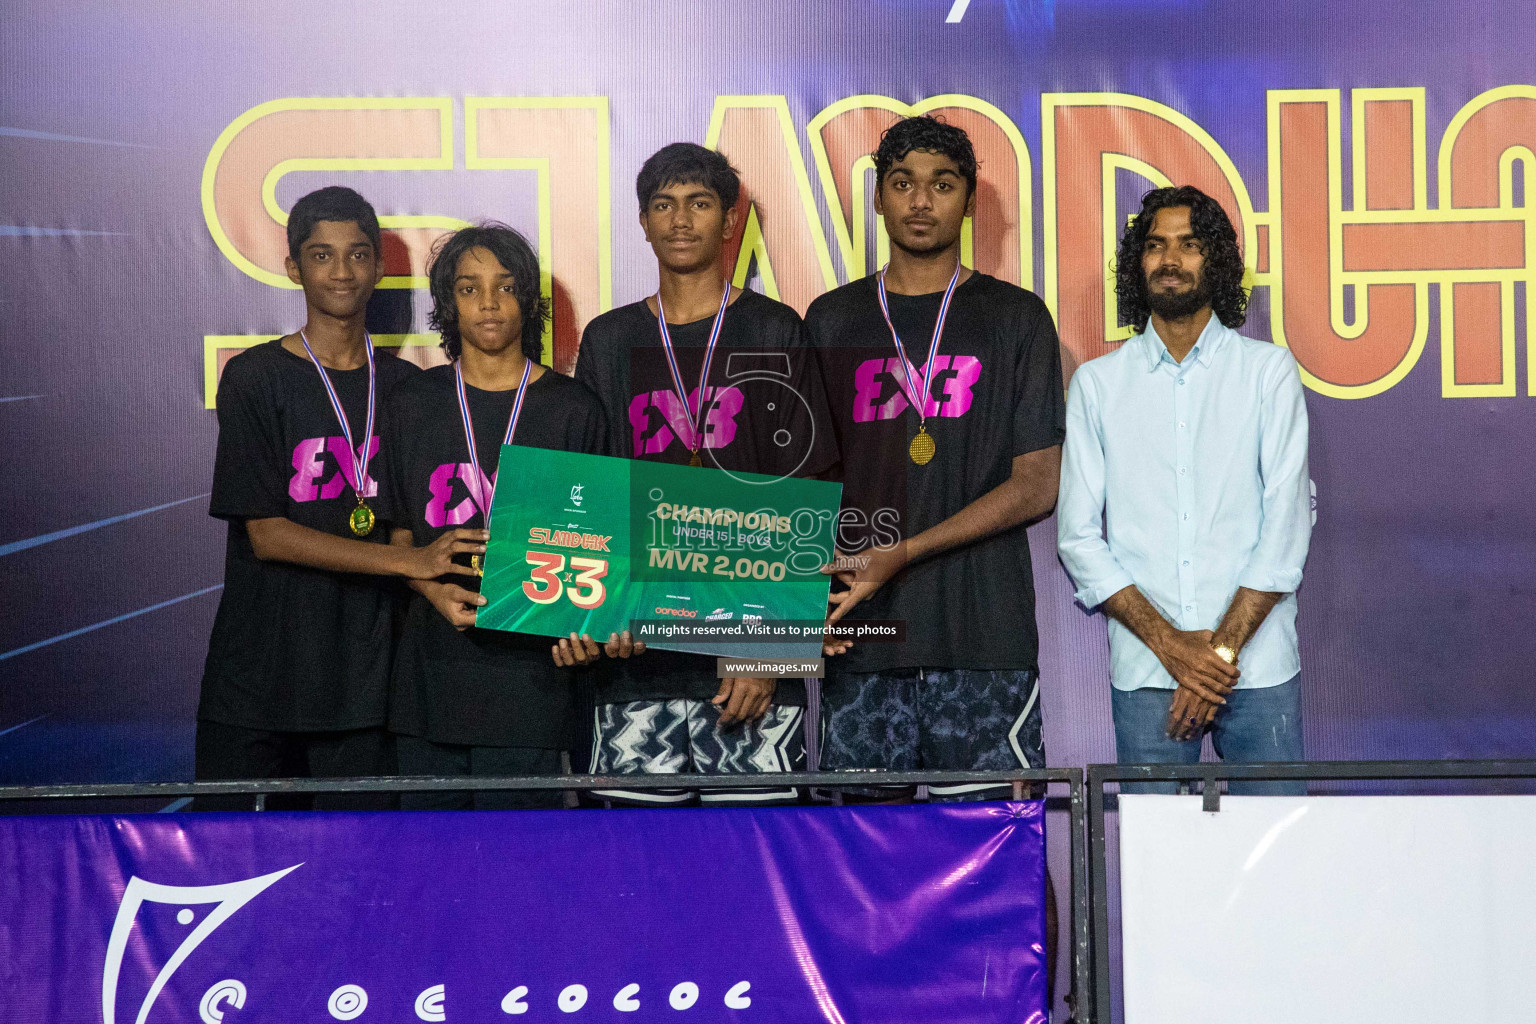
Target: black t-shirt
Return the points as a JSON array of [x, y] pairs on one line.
[[997, 393], [479, 687], [767, 414], [296, 649]]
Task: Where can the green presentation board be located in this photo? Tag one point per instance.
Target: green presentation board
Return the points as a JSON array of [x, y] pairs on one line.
[[691, 559]]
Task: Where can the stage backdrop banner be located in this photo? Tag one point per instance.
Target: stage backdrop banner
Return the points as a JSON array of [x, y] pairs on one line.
[[1409, 909], [1377, 166], [911, 914]]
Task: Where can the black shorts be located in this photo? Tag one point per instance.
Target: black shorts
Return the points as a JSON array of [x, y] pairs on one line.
[[424, 757], [225, 752]]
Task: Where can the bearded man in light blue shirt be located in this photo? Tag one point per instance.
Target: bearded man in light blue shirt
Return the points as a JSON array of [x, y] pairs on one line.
[[1185, 510]]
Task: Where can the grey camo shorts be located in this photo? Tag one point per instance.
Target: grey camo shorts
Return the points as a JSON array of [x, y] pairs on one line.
[[921, 719]]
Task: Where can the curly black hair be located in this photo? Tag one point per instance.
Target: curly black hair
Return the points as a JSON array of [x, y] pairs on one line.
[[516, 257], [1223, 259], [687, 163], [928, 134]]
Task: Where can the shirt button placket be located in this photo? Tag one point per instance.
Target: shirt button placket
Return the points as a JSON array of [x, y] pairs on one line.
[[1183, 460]]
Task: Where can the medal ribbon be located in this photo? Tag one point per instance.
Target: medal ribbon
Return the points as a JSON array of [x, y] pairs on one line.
[[469, 432], [359, 463], [918, 399], [695, 413]]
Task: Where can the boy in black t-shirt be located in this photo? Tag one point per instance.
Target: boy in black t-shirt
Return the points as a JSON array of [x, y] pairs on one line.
[[945, 385], [470, 701], [298, 664], [761, 411]]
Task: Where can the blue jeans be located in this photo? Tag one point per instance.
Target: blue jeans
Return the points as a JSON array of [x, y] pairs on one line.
[[1262, 724]]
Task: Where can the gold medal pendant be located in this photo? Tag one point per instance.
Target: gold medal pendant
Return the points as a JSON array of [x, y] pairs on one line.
[[361, 519], [922, 447], [694, 460]]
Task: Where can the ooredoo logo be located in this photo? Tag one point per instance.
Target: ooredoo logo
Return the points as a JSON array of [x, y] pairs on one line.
[[677, 613]]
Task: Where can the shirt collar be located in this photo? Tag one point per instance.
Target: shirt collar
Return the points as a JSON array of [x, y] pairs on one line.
[[1211, 341]]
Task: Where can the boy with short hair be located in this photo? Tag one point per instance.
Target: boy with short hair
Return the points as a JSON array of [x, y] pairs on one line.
[[666, 371], [298, 665]]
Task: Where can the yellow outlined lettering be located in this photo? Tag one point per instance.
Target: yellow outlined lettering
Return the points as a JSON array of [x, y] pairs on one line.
[[1171, 144], [1504, 211], [215, 347], [571, 182], [851, 231], [441, 160], [798, 287]]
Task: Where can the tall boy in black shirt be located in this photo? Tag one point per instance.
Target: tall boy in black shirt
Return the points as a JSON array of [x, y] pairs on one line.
[[757, 412], [945, 385], [470, 701], [298, 664]]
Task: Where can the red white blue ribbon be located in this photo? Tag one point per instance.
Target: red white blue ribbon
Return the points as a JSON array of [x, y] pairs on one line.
[[359, 463], [695, 412], [469, 433], [919, 399]]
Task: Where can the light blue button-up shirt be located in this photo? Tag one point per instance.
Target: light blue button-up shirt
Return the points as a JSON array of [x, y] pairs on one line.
[[1188, 480]]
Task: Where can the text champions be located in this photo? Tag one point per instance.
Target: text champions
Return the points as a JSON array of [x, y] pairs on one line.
[[764, 520]]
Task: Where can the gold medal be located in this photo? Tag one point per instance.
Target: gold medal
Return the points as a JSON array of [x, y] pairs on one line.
[[361, 519], [476, 563], [696, 414], [922, 447]]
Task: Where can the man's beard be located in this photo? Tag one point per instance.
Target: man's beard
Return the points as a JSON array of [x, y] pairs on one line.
[[1180, 305]]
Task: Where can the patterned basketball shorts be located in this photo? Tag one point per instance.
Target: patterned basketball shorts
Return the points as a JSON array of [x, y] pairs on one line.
[[668, 737], [932, 720]]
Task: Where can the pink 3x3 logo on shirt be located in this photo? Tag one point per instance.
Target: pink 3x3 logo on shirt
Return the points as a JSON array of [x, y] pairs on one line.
[[439, 513], [880, 388], [659, 417], [317, 477]]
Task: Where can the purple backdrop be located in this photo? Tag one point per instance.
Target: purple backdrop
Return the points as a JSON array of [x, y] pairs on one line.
[[1415, 614]]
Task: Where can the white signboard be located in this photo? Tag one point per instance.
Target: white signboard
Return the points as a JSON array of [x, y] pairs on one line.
[[1279, 910]]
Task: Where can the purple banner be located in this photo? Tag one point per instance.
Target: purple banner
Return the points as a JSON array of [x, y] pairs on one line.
[[911, 914]]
